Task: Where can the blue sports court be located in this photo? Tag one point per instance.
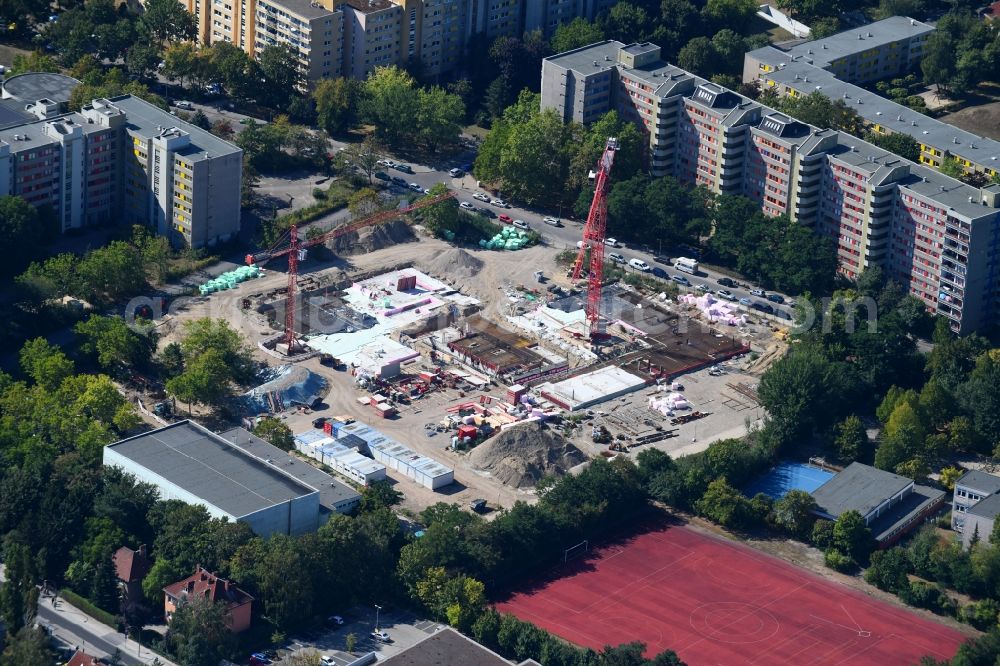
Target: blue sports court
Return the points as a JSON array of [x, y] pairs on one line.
[[788, 476]]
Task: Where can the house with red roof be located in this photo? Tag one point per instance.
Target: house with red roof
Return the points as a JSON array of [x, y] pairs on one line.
[[131, 566], [80, 658], [205, 584]]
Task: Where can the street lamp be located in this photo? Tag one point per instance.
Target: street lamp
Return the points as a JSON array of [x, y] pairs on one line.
[[377, 609]]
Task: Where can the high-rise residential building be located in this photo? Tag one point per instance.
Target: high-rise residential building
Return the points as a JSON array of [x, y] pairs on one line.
[[125, 160], [937, 236], [352, 37], [833, 66]]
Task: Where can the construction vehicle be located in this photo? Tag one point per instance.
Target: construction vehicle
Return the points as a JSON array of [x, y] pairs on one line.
[[295, 248], [594, 235]]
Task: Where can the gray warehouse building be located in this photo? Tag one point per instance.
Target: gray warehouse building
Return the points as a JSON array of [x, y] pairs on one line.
[[190, 463]]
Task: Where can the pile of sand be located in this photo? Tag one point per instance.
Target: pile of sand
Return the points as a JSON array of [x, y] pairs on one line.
[[454, 262], [374, 238], [523, 454]]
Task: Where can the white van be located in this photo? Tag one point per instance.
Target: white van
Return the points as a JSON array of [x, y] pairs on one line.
[[686, 265], [639, 265]]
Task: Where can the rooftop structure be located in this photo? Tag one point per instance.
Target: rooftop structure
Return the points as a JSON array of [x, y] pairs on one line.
[[190, 463], [592, 388], [334, 496], [344, 460], [33, 86], [446, 646]]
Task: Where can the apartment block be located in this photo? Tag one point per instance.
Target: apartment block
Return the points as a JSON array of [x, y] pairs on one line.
[[126, 160], [833, 65], [936, 235], [314, 31]]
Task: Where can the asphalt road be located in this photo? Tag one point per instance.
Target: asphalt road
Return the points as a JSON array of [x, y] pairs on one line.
[[569, 233], [83, 634]]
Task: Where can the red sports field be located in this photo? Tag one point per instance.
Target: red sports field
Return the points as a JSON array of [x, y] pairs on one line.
[[715, 602]]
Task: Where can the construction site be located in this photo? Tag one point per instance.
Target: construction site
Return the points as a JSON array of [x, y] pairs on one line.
[[462, 381]]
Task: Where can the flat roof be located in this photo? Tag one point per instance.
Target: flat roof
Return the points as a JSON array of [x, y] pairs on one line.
[[307, 9], [331, 491], [444, 648], [149, 121], [980, 480], [33, 86], [858, 487], [369, 6], [898, 515], [358, 433], [863, 38], [31, 134], [12, 113], [209, 467], [595, 385]]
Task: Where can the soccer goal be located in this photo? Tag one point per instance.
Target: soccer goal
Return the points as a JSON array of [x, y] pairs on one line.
[[579, 549]]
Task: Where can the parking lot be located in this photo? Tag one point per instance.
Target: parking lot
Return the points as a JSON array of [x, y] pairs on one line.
[[404, 629]]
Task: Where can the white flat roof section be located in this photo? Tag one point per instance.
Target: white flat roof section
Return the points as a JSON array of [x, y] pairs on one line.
[[592, 388]]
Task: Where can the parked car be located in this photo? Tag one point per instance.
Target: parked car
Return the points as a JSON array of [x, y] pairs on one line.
[[745, 301], [405, 168], [335, 621], [521, 224], [482, 210], [328, 661], [499, 203], [381, 636], [703, 288], [726, 282], [465, 205], [763, 307], [505, 218], [416, 188], [382, 175], [183, 104], [757, 292], [666, 261], [400, 181], [781, 314], [481, 197], [456, 173], [611, 242], [478, 505], [776, 298], [552, 221], [638, 264], [660, 273], [680, 279], [725, 294], [615, 257], [259, 658]]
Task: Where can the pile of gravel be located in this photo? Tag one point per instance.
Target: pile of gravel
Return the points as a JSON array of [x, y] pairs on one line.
[[453, 262], [520, 456], [374, 238]]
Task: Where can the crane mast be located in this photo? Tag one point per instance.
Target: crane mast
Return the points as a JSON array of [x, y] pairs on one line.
[[295, 251], [594, 232]]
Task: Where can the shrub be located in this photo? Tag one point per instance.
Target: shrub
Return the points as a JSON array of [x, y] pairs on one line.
[[838, 561], [88, 607]]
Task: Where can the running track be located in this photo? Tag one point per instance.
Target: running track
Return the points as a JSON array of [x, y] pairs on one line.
[[715, 602]]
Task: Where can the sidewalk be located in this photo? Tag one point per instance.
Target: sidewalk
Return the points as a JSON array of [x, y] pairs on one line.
[[67, 616]]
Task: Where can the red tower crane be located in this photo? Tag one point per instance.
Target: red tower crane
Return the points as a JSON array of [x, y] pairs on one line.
[[294, 248], [593, 239]]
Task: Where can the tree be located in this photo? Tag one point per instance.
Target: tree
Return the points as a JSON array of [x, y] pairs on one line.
[[112, 342], [275, 432], [729, 13], [198, 633], [440, 115], [206, 379], [899, 143], [949, 475], [280, 70], [819, 110], [851, 440], [167, 20], [442, 216], [888, 569], [336, 103], [163, 572], [724, 504], [379, 495], [142, 59], [902, 439], [952, 168], [698, 56], [45, 363], [181, 60], [851, 536], [202, 335], [794, 513], [578, 32], [366, 155], [22, 231], [29, 646], [626, 22], [364, 202], [18, 594], [36, 61], [792, 387], [390, 102]]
